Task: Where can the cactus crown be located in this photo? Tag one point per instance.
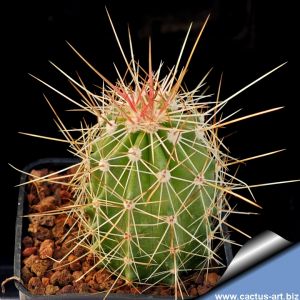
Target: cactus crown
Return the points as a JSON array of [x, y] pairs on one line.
[[152, 184]]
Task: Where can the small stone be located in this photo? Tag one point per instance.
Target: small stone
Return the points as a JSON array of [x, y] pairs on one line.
[[119, 282], [106, 285], [26, 274], [27, 241], [46, 221], [135, 291], [102, 276], [73, 170], [51, 289], [67, 289], [211, 278], [79, 251], [60, 265], [49, 273], [38, 173], [64, 196], [29, 251], [193, 292], [75, 264], [76, 275], [33, 228], [58, 253], [37, 243], [85, 266], [58, 230], [35, 286], [29, 261], [61, 278], [39, 267], [90, 276], [50, 200], [43, 233], [45, 281], [46, 204], [91, 259], [46, 249], [32, 198], [93, 285], [82, 287]]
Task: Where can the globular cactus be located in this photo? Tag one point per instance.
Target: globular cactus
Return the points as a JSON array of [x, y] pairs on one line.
[[152, 184]]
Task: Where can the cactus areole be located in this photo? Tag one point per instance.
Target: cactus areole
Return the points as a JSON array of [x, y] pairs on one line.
[[152, 184]]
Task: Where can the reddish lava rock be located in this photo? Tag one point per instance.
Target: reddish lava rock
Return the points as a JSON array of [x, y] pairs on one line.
[[53, 264], [46, 249]]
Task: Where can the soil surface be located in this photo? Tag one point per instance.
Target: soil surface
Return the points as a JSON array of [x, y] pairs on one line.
[[52, 265]]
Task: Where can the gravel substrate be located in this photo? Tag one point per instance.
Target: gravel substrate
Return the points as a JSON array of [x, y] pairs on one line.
[[49, 264]]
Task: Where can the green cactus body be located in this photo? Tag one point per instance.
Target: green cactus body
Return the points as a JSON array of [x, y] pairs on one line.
[[151, 197], [151, 187]]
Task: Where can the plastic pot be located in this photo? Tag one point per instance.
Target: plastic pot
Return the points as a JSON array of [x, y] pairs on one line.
[[21, 227]]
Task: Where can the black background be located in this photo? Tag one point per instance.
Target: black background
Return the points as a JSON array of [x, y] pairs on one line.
[[243, 39]]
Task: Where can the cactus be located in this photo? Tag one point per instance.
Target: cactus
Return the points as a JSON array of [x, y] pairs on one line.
[[151, 186]]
